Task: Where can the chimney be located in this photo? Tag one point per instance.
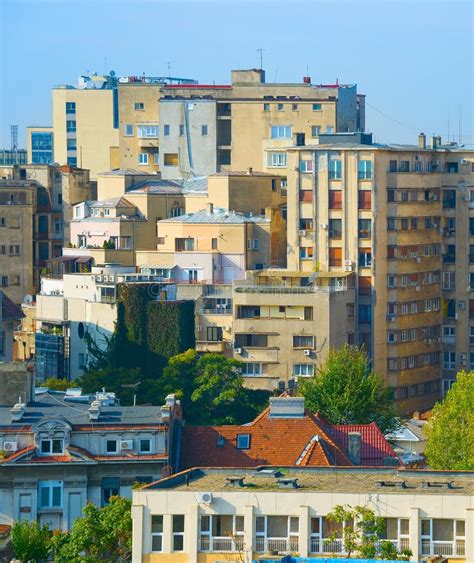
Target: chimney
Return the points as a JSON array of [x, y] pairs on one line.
[[434, 141], [306, 79], [249, 170], [416, 415], [422, 141], [438, 141], [18, 410], [94, 411], [210, 208], [353, 447], [286, 407]]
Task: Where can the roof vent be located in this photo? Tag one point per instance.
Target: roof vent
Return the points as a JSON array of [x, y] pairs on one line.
[[437, 485], [288, 483], [18, 410], [234, 481], [268, 472], [286, 407], [94, 411], [392, 484]]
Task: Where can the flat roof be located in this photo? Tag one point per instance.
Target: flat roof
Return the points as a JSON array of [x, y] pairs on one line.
[[331, 480]]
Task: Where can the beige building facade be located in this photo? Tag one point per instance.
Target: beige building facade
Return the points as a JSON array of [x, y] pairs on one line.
[[208, 515], [391, 215]]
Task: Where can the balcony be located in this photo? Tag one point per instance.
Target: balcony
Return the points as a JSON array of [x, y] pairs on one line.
[[318, 545], [216, 347], [444, 548], [215, 543], [289, 290], [280, 545], [216, 310]]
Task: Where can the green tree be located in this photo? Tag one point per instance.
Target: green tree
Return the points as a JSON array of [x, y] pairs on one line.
[[102, 534], [450, 431], [30, 541], [58, 384], [346, 391], [361, 532]]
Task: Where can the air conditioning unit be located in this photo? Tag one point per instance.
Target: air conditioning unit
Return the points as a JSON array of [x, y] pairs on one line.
[[238, 350], [461, 304], [205, 498], [391, 317], [98, 279], [427, 341], [323, 225], [417, 259], [463, 359], [10, 446], [198, 328], [226, 328], [348, 268], [302, 233], [347, 262], [418, 288], [438, 340], [307, 352], [126, 444], [464, 161], [218, 267]]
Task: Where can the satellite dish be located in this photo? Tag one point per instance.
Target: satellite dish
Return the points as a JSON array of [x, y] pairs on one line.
[[112, 73], [28, 299], [312, 278]]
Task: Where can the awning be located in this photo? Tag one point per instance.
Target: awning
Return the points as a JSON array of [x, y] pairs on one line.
[[83, 259], [157, 267], [63, 259]]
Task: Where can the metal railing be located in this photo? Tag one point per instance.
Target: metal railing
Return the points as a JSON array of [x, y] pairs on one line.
[[455, 548], [282, 289], [216, 311], [221, 543], [285, 545], [321, 545]]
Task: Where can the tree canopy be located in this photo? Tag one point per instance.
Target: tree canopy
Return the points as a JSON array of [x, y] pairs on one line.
[[450, 431], [30, 541], [345, 390]]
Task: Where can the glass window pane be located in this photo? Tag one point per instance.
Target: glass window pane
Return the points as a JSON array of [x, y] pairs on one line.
[[57, 446], [178, 543], [156, 543], [157, 524], [45, 446], [260, 524], [205, 523], [277, 526], [443, 529], [239, 523], [57, 495], [425, 527], [404, 526], [294, 524], [44, 496], [315, 525], [460, 528], [178, 523]]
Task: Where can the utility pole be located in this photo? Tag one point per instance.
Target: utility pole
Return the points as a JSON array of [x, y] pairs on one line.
[[14, 137], [260, 50]]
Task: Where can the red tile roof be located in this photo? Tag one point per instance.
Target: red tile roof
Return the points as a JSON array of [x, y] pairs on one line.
[[5, 529], [306, 441]]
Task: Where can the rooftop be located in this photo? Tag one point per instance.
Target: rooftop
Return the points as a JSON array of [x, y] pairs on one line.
[[158, 186], [112, 202], [311, 479], [9, 310], [124, 172], [217, 216]]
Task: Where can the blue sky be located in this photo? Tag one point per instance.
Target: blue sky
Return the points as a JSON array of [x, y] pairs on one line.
[[412, 58]]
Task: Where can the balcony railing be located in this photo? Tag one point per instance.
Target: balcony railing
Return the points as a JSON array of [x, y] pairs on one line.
[[209, 543], [282, 289], [216, 311], [445, 548], [281, 545], [318, 545]]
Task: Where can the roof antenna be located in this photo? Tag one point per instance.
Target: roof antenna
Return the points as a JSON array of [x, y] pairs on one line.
[[260, 50]]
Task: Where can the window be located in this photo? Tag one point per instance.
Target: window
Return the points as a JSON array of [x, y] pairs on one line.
[[365, 199], [166, 130], [405, 166], [365, 258], [128, 128], [365, 228], [214, 244], [81, 360], [449, 360], [72, 160], [303, 341], [214, 334], [335, 169], [308, 313], [243, 441], [177, 211], [306, 196], [182, 244], [276, 159], [70, 107], [280, 107], [204, 130], [178, 532], [315, 130], [252, 369], [70, 126], [221, 532], [144, 445], [111, 446], [350, 310], [365, 169], [281, 132], [248, 311], [317, 107], [50, 494], [365, 314], [157, 532], [251, 340], [171, 159], [306, 166], [143, 158], [256, 244], [15, 250], [294, 107], [335, 257], [110, 488], [335, 199], [139, 106], [306, 224], [329, 129], [266, 107], [52, 446], [71, 144], [335, 228], [181, 130], [147, 131], [303, 370], [306, 252], [392, 166]]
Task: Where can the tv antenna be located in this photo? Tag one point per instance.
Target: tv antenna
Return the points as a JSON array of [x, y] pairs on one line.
[[260, 50], [169, 63], [14, 137]]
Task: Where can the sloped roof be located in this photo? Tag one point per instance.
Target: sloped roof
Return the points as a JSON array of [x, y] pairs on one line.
[[217, 216], [306, 441], [124, 172], [9, 309], [112, 202]]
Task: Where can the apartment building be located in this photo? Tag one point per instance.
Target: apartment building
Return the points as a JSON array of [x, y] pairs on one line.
[[398, 217], [285, 322], [63, 450], [78, 304], [10, 317], [216, 514], [183, 129]]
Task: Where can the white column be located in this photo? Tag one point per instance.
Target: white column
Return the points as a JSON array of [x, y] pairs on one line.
[[167, 532], [138, 533], [249, 532], [415, 533], [303, 547], [191, 537], [469, 534]]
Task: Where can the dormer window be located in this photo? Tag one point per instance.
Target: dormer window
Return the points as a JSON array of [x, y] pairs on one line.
[[111, 446], [243, 441], [52, 446], [145, 446]]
